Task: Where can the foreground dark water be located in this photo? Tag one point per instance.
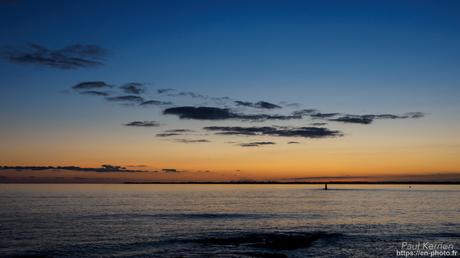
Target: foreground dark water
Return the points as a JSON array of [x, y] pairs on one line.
[[224, 220]]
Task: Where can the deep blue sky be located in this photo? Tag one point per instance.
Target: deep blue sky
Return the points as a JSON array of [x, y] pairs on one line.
[[329, 53]]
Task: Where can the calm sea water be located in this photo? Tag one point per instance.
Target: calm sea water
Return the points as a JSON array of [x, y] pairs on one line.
[[89, 220]]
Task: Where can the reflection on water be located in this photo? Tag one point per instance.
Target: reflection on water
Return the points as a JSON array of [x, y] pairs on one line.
[[224, 220]]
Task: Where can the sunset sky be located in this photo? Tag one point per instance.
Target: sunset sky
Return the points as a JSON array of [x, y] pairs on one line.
[[229, 90]]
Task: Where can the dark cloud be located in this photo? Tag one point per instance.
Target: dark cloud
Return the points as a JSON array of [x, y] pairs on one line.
[[256, 144], [167, 134], [305, 132], [383, 116], [264, 117], [415, 115], [155, 103], [174, 93], [133, 88], [260, 104], [192, 141], [349, 118], [214, 113], [199, 113], [291, 105], [304, 112], [354, 119], [103, 168], [143, 124], [91, 85], [329, 178], [170, 170], [323, 115], [161, 91], [174, 132], [188, 94], [220, 98], [180, 131], [95, 93], [70, 57], [127, 99], [368, 119]]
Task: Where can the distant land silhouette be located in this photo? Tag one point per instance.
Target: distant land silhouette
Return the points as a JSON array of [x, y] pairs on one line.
[[312, 182]]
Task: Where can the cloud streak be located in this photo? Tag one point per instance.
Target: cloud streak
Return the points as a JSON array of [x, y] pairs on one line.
[[103, 168], [70, 57], [126, 99], [167, 134], [155, 103], [368, 119], [95, 93], [192, 141], [256, 144], [214, 113], [133, 88], [260, 104], [171, 170], [143, 124], [304, 132], [91, 85], [161, 91]]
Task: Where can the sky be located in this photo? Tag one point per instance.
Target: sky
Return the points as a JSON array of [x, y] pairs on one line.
[[229, 90]]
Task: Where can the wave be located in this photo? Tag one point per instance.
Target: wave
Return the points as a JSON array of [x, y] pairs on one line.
[[273, 241], [193, 216]]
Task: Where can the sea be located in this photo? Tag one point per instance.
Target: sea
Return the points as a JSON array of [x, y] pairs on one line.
[[228, 220]]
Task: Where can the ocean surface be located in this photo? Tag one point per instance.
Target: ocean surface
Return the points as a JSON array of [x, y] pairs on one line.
[[119, 220]]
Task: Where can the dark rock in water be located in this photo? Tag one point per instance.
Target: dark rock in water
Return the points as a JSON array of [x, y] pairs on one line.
[[275, 241], [241, 255], [265, 255]]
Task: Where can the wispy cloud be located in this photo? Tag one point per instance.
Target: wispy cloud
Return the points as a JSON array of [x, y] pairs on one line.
[[260, 104], [91, 85], [133, 88], [354, 119], [415, 115], [305, 132], [256, 144], [95, 93], [167, 134], [161, 91], [367, 119], [199, 113], [126, 99], [180, 131], [214, 113], [171, 170], [290, 105], [194, 95], [155, 103], [192, 140], [304, 112], [188, 94], [70, 57], [174, 132], [323, 115], [102, 168], [143, 124]]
